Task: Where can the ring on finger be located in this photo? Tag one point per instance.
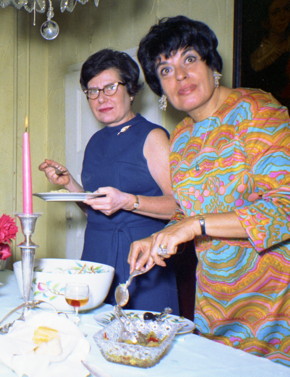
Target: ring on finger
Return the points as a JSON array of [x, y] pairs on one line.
[[162, 250]]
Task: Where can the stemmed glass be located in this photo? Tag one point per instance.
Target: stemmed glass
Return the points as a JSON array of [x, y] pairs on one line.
[[77, 295]]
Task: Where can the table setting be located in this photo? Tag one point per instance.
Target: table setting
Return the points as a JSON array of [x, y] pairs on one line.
[[188, 355], [54, 322], [21, 353]]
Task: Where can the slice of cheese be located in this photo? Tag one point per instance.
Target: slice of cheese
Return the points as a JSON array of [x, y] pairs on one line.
[[47, 341], [44, 334]]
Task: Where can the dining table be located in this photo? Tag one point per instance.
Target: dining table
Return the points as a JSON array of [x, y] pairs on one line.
[[190, 355]]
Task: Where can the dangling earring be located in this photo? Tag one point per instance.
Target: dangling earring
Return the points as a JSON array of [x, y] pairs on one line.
[[217, 76], [163, 102]]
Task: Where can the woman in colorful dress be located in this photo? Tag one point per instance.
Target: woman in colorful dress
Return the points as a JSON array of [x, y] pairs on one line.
[[126, 163], [230, 162]]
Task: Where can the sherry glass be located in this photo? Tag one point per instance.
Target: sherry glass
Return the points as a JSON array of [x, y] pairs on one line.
[[77, 295]]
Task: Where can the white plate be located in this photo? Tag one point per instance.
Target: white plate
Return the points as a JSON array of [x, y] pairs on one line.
[[66, 196], [106, 317], [18, 349]]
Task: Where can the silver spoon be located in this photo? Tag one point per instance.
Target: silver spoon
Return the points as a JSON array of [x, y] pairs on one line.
[[124, 321], [122, 292]]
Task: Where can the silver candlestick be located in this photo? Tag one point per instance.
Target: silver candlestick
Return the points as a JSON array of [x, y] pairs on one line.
[[27, 252]]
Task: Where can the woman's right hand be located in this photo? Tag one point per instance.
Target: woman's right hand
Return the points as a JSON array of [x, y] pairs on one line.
[[49, 168], [144, 253], [140, 254]]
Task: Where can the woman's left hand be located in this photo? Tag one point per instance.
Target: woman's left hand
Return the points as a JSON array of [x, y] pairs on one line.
[[110, 201]]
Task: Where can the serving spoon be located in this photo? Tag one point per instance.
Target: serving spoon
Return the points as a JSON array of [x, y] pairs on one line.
[[122, 298], [125, 334], [122, 292]]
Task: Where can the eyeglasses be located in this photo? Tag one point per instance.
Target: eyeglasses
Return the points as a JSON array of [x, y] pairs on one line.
[[108, 90]]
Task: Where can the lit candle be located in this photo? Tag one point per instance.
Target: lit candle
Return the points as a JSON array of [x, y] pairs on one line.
[[26, 172]]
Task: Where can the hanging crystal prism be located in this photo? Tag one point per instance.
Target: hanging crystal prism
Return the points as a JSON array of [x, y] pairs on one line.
[[49, 29], [19, 3], [68, 5], [29, 6], [5, 3], [40, 6]]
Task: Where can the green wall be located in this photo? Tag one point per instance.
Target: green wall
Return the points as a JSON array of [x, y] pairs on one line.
[[32, 83]]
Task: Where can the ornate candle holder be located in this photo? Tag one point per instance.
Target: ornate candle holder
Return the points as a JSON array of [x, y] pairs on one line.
[[27, 252]]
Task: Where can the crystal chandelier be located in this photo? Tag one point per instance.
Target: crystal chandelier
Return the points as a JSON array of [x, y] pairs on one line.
[[49, 29]]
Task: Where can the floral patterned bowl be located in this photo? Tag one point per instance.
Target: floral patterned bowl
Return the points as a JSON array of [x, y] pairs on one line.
[[52, 274]]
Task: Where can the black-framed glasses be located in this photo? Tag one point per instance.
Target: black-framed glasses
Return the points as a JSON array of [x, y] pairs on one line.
[[108, 90]]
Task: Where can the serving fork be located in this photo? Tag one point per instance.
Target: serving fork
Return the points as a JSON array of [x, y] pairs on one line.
[[57, 170]]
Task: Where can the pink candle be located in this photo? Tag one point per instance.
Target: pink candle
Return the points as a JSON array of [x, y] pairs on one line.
[[26, 172]]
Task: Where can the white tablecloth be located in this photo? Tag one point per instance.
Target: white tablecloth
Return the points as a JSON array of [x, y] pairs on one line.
[[189, 356]]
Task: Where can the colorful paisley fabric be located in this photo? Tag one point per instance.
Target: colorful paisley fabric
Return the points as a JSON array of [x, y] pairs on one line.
[[239, 160]]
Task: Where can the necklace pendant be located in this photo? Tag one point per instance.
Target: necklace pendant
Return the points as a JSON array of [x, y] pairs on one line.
[[197, 168]]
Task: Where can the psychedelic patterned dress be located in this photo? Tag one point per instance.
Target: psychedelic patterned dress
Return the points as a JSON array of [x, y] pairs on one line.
[[243, 285]]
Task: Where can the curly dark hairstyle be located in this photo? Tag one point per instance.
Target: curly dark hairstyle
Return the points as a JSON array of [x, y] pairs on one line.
[[171, 34], [106, 59]]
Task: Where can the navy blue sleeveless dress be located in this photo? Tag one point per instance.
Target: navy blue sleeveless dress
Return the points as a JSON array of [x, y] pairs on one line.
[[114, 158]]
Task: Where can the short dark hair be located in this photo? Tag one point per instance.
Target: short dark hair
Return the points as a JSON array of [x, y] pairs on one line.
[[106, 59], [174, 33]]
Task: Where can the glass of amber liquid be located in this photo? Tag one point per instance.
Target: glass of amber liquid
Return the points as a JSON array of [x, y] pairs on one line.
[[77, 295]]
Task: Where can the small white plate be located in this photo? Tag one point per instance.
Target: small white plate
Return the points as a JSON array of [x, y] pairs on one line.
[[18, 349], [66, 196], [187, 326]]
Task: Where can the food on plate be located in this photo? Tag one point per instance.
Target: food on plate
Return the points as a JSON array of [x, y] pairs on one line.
[[60, 191], [44, 334], [65, 191], [47, 341], [148, 316]]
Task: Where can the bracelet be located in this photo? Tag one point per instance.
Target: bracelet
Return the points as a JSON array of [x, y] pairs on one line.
[[202, 225], [136, 204]]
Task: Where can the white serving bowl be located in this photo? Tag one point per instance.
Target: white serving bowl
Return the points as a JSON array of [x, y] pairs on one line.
[[52, 274]]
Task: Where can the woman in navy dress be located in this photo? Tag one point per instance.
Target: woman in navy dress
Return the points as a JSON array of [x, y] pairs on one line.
[[127, 164]]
